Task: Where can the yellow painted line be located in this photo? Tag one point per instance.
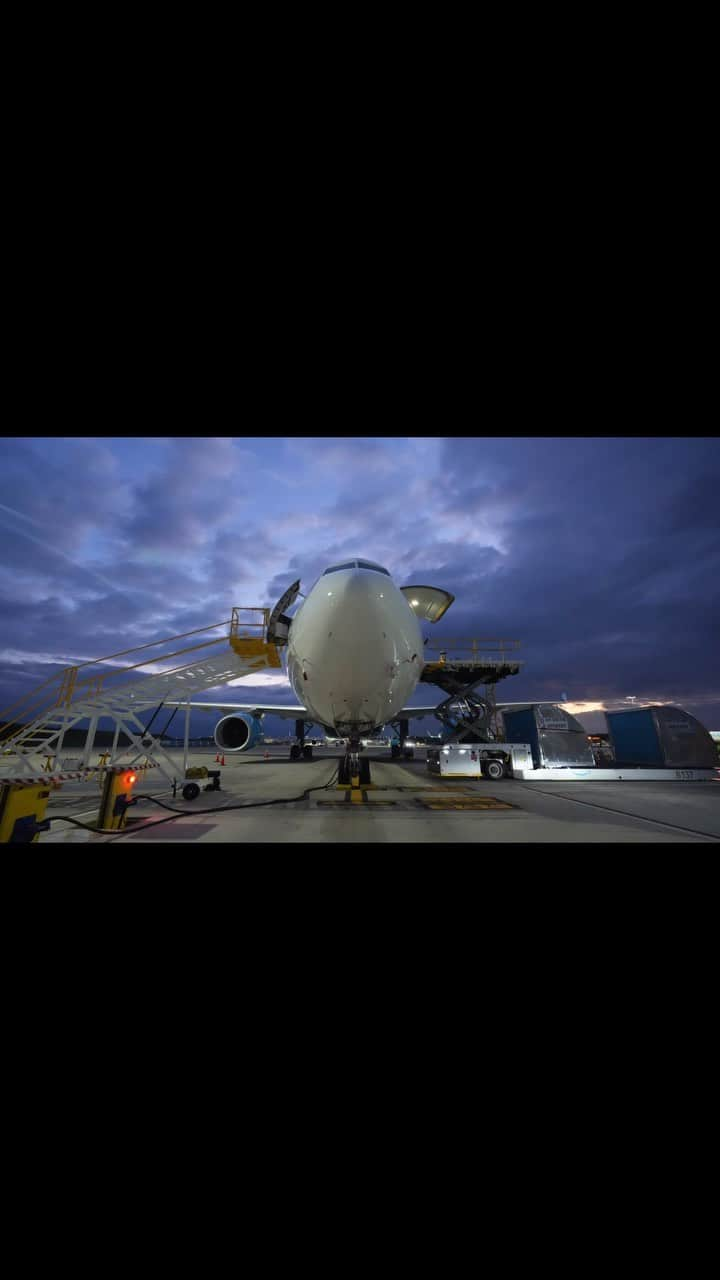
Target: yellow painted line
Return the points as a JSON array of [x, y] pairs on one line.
[[356, 796], [466, 799], [463, 801], [441, 791], [467, 808]]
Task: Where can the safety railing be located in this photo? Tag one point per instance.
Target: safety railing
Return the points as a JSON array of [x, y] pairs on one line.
[[248, 627], [473, 650], [68, 687]]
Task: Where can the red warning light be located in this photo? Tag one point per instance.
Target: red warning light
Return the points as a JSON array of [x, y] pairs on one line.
[[130, 778]]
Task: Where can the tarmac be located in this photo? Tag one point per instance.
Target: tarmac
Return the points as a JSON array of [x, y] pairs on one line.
[[298, 802]]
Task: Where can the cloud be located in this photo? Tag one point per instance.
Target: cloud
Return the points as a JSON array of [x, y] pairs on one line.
[[601, 555]]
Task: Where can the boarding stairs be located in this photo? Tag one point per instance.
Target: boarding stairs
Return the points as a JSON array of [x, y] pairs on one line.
[[91, 692]]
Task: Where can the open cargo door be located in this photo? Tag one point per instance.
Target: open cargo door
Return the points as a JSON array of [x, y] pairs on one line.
[[278, 623], [429, 603]]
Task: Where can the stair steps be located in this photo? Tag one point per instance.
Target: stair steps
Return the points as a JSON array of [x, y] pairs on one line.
[[122, 695]]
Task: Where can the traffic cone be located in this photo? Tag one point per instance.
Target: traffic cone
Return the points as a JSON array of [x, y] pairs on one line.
[[223, 760], [267, 755], [217, 758]]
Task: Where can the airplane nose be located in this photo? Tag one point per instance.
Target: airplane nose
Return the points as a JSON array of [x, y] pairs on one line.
[[359, 584], [361, 597]]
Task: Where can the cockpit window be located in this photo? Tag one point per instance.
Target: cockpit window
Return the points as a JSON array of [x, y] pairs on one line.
[[356, 564], [370, 564], [335, 568]]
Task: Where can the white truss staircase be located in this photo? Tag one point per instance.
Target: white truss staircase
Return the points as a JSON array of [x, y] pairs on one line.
[[123, 694]]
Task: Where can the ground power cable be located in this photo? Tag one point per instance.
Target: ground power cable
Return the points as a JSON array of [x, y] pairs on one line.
[[604, 808], [184, 813]]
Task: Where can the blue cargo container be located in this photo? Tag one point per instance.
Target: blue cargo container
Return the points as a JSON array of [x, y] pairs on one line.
[[557, 739], [661, 737]]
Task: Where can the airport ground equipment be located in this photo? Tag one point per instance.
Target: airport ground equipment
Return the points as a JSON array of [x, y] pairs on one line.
[[660, 737], [630, 773], [557, 739], [117, 797], [22, 811], [94, 691], [191, 788], [475, 760], [462, 666]]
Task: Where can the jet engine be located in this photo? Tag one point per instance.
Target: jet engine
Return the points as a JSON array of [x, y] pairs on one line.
[[238, 732]]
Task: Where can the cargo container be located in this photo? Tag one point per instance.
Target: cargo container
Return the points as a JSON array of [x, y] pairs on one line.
[[557, 739], [660, 737]]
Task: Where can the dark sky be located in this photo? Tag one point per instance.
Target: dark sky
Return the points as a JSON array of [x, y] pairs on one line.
[[601, 555]]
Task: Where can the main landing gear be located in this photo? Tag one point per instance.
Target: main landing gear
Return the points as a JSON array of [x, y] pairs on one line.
[[397, 746], [298, 750]]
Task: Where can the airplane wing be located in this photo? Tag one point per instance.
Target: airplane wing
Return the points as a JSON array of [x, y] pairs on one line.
[[415, 713], [288, 713], [252, 708]]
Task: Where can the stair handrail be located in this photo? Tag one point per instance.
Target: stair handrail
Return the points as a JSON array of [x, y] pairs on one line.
[[59, 676], [32, 693], [235, 622], [68, 691], [12, 730], [151, 644], [66, 686], [93, 686]]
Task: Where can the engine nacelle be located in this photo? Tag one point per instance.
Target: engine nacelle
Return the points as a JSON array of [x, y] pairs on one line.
[[238, 732]]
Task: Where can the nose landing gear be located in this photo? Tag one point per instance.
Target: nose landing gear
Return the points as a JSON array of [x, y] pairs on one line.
[[354, 769]]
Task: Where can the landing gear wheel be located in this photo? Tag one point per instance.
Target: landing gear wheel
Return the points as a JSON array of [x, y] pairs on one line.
[[408, 753], [344, 772], [495, 770], [307, 753], [364, 772], [295, 751], [191, 791], [394, 751]]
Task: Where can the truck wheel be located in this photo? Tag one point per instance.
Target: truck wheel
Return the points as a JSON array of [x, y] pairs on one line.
[[495, 770], [307, 753], [191, 791]]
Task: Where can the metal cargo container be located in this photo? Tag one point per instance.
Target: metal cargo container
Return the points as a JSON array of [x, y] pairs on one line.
[[662, 737], [557, 739]]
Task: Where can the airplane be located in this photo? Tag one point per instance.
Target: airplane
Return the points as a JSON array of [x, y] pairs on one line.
[[354, 655]]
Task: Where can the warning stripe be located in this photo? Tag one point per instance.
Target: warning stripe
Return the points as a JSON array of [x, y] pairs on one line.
[[33, 780]]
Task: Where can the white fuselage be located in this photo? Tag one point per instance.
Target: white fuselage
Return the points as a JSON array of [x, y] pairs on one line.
[[355, 650]]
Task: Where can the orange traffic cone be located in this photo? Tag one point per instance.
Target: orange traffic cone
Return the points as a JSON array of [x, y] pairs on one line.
[[223, 760], [217, 758]]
